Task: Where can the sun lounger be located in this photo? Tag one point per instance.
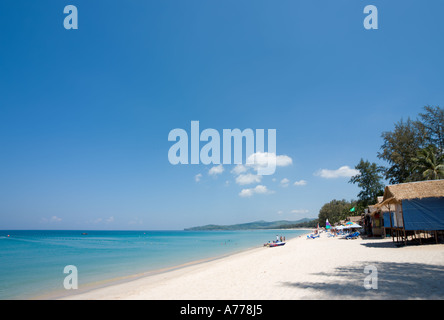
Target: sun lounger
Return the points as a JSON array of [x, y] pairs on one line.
[[353, 235]]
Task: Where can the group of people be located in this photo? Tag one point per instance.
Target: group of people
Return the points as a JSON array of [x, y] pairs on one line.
[[280, 240]]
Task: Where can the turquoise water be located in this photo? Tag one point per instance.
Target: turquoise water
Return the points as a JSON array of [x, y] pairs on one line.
[[32, 262]]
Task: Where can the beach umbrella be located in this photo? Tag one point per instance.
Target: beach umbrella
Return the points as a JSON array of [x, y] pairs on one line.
[[353, 226], [348, 223]]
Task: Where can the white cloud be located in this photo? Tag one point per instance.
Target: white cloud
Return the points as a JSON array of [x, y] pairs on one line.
[[101, 220], [260, 189], [300, 183], [344, 171], [299, 211], [285, 182], [135, 221], [248, 178], [216, 170], [283, 161], [262, 160], [240, 168], [197, 177], [55, 219], [246, 193]]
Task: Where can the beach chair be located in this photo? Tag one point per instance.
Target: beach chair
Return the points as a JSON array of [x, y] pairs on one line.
[[353, 235]]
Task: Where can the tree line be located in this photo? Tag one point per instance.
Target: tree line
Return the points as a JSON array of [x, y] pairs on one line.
[[413, 151]]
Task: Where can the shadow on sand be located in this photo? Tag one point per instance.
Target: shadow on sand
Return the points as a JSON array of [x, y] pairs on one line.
[[379, 243], [394, 281]]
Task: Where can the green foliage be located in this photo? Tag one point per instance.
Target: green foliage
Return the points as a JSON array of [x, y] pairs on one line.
[[432, 124], [337, 210], [398, 149], [428, 166], [369, 180], [402, 147]]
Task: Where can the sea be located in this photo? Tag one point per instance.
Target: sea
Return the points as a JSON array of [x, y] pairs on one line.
[[32, 262]]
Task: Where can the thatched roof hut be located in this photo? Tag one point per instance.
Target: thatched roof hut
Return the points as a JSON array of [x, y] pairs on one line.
[[414, 206], [412, 190]]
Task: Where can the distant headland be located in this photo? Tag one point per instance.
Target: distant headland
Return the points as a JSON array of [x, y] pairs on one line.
[[280, 224]]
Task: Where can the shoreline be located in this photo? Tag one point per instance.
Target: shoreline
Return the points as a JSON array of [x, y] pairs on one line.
[[322, 268], [91, 286], [103, 284]]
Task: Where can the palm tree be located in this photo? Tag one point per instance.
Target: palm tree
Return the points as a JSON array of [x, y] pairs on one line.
[[428, 166]]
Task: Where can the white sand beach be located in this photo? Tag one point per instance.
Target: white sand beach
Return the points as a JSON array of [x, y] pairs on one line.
[[322, 268]]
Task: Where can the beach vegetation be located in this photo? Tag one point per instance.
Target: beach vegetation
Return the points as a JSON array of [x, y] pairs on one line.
[[337, 210], [399, 148], [427, 165], [414, 150], [369, 180], [431, 122]]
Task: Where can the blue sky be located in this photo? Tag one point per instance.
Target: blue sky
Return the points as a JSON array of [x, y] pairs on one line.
[[85, 114]]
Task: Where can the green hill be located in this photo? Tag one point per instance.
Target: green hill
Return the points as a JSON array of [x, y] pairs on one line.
[[280, 224]]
